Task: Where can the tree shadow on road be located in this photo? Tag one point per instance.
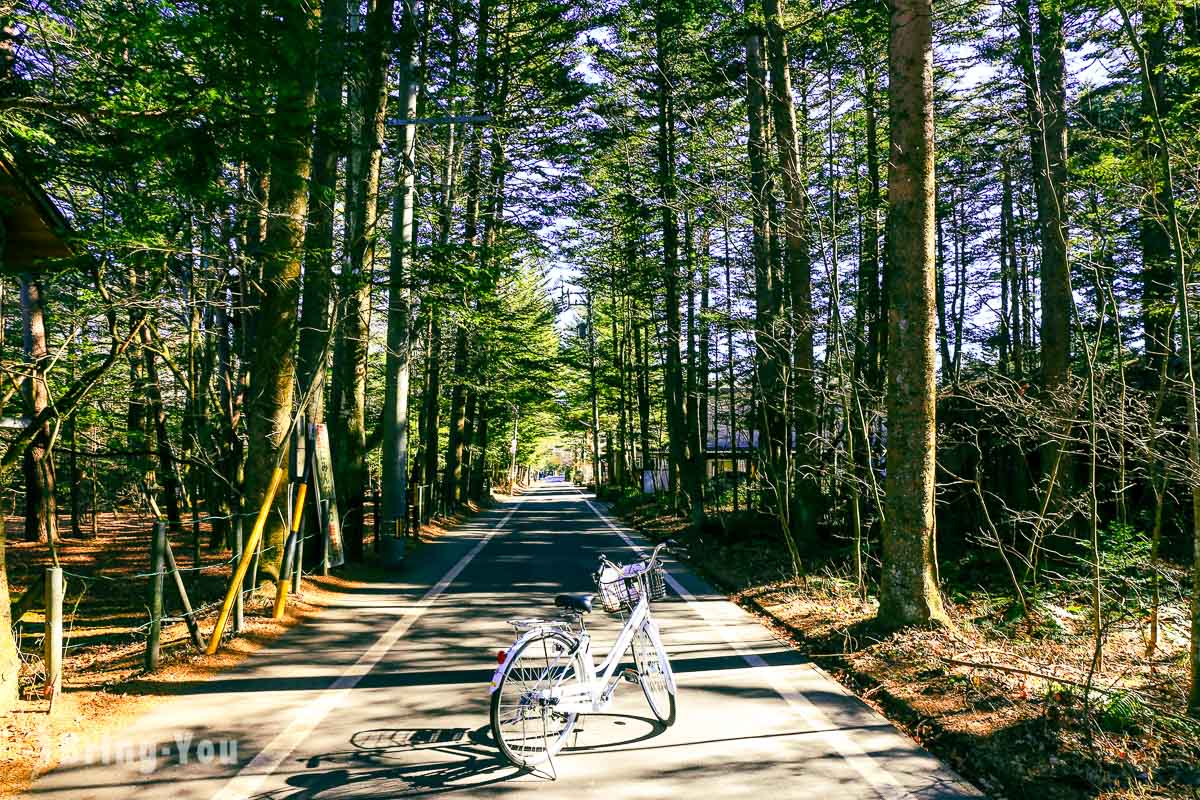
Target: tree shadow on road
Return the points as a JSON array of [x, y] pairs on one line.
[[410, 762]]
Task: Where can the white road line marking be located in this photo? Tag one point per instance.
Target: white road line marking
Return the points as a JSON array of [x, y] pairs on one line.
[[251, 777], [859, 760]]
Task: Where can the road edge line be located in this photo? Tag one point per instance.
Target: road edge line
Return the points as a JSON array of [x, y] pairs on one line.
[[250, 778], [854, 755]]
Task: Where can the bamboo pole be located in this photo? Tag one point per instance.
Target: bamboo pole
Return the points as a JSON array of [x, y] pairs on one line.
[[239, 574], [290, 553], [238, 551]]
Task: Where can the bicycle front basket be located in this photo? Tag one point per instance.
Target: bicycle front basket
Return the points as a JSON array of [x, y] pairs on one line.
[[617, 592], [656, 584]]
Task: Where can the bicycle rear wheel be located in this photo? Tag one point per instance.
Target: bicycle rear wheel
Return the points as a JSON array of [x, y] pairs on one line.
[[652, 675], [527, 728]]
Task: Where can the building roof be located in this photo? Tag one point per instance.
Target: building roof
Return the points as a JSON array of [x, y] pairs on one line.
[[34, 230]]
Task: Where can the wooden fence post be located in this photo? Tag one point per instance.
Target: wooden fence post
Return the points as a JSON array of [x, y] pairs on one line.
[[158, 550], [53, 641]]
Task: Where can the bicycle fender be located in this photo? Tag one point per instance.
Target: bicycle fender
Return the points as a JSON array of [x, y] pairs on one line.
[[652, 629], [508, 656]]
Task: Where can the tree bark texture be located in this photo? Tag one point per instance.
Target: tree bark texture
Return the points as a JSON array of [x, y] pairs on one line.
[[269, 406], [909, 593]]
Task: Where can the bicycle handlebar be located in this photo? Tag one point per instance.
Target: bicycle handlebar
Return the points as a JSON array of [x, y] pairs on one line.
[[668, 545]]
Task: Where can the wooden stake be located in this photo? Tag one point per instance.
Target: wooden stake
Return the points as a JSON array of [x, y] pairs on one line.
[[157, 555], [188, 614], [239, 574], [53, 641]]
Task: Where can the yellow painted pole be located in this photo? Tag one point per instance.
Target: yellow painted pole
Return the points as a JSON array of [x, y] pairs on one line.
[[235, 585], [283, 579]]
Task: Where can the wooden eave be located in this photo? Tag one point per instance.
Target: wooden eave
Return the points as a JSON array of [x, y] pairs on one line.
[[34, 229]]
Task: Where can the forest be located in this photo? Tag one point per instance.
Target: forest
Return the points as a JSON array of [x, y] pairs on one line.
[[898, 290]]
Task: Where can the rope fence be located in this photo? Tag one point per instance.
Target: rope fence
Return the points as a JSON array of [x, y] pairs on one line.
[[426, 503]]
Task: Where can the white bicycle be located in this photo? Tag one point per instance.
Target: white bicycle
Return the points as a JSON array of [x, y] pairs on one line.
[[548, 677]]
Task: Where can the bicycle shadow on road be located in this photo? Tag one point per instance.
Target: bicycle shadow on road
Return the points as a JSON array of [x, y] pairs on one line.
[[411, 762]]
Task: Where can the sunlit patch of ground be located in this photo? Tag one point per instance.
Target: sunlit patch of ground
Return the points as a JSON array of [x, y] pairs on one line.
[[105, 610], [1009, 700]]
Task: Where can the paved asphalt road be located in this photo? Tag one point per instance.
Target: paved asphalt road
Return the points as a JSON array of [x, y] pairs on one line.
[[385, 695]]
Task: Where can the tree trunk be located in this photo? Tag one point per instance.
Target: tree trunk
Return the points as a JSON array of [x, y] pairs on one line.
[[768, 411], [668, 195], [479, 463], [458, 401], [73, 440], [939, 289], [595, 397], [693, 453], [619, 343], [733, 426], [220, 490], [158, 415], [10, 661], [641, 354], [456, 438], [804, 512], [394, 459], [1016, 293], [908, 592], [871, 265], [348, 427], [433, 404], [1157, 271], [464, 482], [1049, 132], [703, 376], [41, 508], [269, 405], [318, 245]]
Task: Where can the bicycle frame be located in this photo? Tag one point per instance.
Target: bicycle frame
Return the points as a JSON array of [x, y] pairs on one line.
[[599, 681]]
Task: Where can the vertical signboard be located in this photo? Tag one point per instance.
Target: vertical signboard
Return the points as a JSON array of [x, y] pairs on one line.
[[323, 473]]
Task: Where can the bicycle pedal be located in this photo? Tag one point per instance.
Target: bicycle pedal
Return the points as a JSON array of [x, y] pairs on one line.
[[631, 676]]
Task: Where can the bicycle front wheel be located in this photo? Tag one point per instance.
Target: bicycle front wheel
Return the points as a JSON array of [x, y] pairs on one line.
[[527, 727], [652, 675]]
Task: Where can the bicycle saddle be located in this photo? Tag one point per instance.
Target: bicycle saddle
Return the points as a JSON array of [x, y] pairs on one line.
[[575, 602]]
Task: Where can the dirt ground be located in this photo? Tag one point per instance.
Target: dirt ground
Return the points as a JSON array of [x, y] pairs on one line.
[[106, 613], [1012, 704]]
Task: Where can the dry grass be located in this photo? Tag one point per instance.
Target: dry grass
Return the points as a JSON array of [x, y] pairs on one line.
[[103, 688], [1030, 718]]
